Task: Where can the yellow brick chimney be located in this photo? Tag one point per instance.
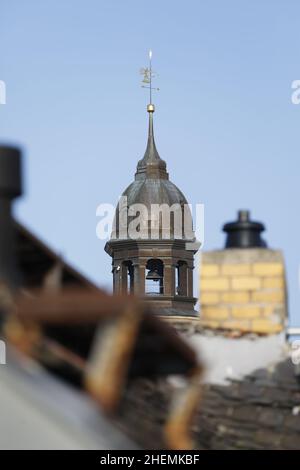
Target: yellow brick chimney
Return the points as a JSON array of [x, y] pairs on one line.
[[243, 287]]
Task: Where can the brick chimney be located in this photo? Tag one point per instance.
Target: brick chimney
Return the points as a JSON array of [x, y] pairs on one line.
[[243, 287]]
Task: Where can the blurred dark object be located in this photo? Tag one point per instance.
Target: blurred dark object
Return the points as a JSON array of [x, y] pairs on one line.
[[97, 342], [102, 343], [244, 233], [10, 188], [42, 267]]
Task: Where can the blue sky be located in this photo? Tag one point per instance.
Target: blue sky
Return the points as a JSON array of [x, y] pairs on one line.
[[225, 122]]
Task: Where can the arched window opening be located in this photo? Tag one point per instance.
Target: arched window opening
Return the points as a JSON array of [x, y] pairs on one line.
[[154, 277], [181, 278]]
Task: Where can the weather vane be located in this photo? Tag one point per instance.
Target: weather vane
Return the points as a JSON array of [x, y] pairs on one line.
[[148, 74]]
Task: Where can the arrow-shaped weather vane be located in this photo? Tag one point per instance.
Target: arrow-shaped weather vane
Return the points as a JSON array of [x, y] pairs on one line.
[[148, 74]]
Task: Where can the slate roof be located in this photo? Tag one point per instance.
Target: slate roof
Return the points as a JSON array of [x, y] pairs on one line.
[[262, 411]]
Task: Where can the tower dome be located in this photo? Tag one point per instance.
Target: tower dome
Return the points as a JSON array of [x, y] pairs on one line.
[[153, 190]]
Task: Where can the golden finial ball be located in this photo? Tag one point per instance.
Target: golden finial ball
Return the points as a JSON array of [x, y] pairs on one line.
[[150, 108]]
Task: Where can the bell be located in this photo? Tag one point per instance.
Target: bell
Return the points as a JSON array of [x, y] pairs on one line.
[[153, 275]]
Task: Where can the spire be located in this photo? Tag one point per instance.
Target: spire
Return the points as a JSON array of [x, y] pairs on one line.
[[151, 165]]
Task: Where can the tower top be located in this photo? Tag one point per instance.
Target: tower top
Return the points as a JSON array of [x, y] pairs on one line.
[[151, 164], [145, 263]]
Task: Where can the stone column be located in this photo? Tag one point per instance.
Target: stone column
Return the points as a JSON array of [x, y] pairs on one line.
[[124, 278], [169, 279], [117, 280], [190, 289], [183, 279], [139, 279]]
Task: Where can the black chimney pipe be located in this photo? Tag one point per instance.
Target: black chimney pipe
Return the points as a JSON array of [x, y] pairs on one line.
[[244, 233], [10, 188]]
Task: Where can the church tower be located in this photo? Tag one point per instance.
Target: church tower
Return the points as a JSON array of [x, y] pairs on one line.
[[152, 243]]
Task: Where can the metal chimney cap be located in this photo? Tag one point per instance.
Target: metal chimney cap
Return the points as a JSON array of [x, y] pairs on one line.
[[10, 172], [244, 233]]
